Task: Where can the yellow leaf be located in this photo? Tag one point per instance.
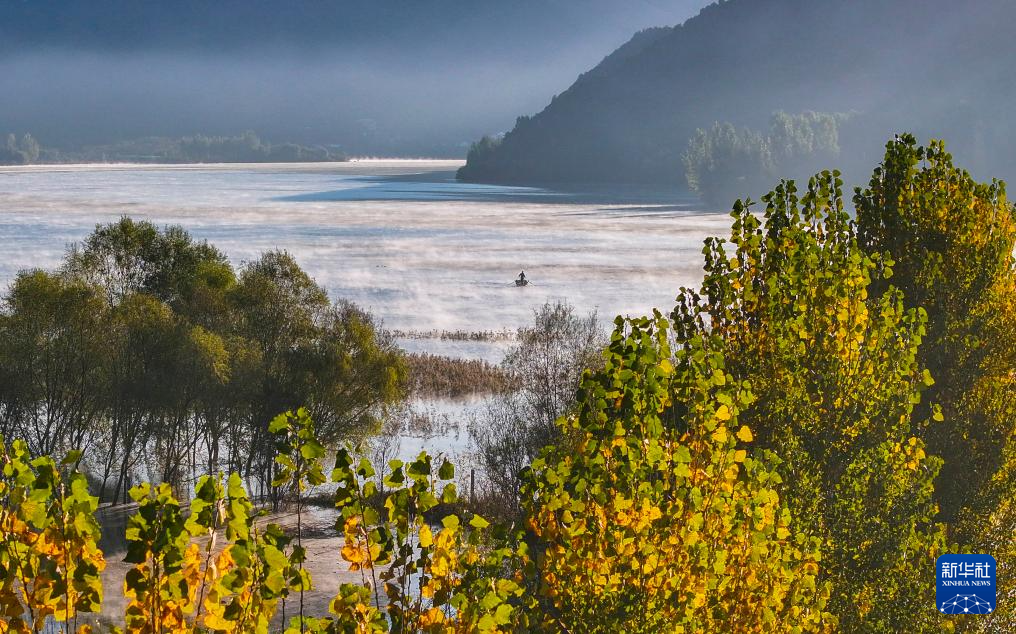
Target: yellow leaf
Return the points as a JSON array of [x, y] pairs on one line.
[[426, 537], [723, 413], [744, 434], [352, 553], [720, 435]]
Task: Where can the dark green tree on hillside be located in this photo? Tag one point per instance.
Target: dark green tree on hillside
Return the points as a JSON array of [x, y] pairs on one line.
[[479, 157], [543, 369], [723, 162]]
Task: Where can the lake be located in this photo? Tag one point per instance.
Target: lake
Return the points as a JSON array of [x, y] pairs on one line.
[[403, 239]]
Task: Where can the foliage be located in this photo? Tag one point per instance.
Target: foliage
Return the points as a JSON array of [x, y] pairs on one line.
[[23, 152], [457, 571], [836, 373], [51, 362], [49, 559], [479, 155], [147, 349], [658, 519], [247, 147], [542, 369], [723, 162], [183, 582], [953, 242]]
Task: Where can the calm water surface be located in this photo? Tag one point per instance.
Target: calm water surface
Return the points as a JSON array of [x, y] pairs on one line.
[[400, 238]]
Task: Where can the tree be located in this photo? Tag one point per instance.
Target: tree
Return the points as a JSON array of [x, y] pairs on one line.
[[53, 346], [29, 148], [800, 141], [543, 369], [952, 240], [9, 152], [833, 363], [305, 351], [479, 156], [49, 550], [722, 163], [724, 160], [147, 351], [131, 256], [656, 518]]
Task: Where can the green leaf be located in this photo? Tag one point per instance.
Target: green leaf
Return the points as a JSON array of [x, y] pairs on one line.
[[312, 450], [72, 457], [280, 423], [447, 471]]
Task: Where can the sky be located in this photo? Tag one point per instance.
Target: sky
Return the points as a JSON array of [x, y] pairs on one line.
[[373, 77]]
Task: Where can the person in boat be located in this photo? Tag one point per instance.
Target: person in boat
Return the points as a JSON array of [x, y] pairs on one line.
[[522, 279]]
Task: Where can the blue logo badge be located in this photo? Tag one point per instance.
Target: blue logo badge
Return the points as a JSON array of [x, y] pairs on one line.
[[966, 584]]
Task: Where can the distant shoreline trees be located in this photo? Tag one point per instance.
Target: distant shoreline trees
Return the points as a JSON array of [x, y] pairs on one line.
[[247, 147], [479, 157], [23, 152]]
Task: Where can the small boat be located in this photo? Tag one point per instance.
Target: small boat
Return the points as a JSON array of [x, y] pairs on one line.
[[521, 282]]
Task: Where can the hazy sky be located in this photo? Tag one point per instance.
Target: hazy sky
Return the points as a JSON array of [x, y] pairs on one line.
[[382, 77]]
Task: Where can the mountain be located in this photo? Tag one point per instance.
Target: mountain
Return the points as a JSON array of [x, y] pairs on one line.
[[937, 68], [391, 77]]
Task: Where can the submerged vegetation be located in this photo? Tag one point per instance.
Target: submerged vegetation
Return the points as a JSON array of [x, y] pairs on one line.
[[770, 457], [541, 368], [438, 376]]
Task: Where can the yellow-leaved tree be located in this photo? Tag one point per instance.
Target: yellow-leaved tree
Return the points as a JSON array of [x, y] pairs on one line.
[[653, 516], [953, 241], [832, 360], [50, 561]]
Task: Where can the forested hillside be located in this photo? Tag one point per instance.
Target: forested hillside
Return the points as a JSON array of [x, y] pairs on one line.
[[937, 68]]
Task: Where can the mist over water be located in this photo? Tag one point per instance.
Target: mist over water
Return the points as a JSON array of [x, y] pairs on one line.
[[402, 239]]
